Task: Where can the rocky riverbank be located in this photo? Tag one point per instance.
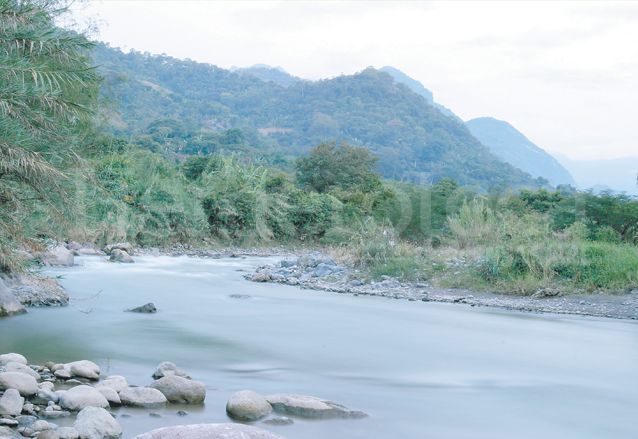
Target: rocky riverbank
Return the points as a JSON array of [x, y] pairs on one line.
[[33, 397], [317, 271]]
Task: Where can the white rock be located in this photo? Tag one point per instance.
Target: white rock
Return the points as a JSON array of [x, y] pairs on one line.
[[12, 366], [9, 305], [111, 395], [11, 403], [115, 382], [97, 423], [247, 405], [83, 363], [310, 406], [56, 367], [142, 397], [62, 374], [40, 426], [80, 397], [77, 370], [210, 431], [12, 358], [46, 385], [167, 368], [23, 383], [48, 395], [9, 433], [179, 390], [68, 433], [58, 256]]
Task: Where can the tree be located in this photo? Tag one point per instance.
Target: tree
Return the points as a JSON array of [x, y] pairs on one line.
[[48, 91], [331, 166]]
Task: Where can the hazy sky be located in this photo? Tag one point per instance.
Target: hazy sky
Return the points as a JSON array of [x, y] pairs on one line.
[[564, 74]]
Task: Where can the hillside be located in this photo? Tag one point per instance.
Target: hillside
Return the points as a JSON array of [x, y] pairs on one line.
[[617, 174], [414, 141], [511, 145], [268, 73]]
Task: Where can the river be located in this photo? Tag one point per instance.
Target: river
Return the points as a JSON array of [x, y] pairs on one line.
[[419, 369]]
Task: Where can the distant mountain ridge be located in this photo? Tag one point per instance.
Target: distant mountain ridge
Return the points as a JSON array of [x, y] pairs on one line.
[[267, 73], [617, 174], [511, 145]]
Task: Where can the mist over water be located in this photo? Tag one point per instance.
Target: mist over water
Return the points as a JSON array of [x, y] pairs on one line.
[[419, 369]]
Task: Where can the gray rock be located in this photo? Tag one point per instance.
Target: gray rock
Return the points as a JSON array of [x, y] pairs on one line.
[[40, 426], [546, 292], [182, 413], [142, 397], [63, 374], [210, 431], [180, 390], [285, 263], [73, 246], [68, 433], [8, 422], [121, 256], [59, 256], [40, 291], [12, 358], [356, 283], [21, 368], [124, 246], [279, 421], [260, 277], [9, 305], [8, 433], [91, 366], [26, 431], [25, 421], [167, 368], [240, 296], [79, 370], [310, 406], [323, 270], [81, 397], [51, 413], [11, 403], [115, 382], [89, 249], [46, 395], [149, 308], [23, 383], [247, 405], [48, 434], [111, 395], [97, 423]]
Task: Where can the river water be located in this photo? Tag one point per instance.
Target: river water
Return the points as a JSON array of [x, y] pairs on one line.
[[419, 369]]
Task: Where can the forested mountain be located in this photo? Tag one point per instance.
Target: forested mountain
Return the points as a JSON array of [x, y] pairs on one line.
[[511, 145], [268, 73], [215, 109]]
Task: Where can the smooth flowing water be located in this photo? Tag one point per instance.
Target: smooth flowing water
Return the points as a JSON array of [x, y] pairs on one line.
[[419, 369]]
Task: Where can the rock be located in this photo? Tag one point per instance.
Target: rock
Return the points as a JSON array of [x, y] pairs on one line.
[[142, 397], [115, 382], [149, 308], [546, 292], [97, 423], [51, 413], [23, 383], [124, 246], [11, 403], [21, 368], [57, 366], [121, 256], [310, 406], [59, 256], [25, 421], [26, 431], [8, 433], [46, 395], [155, 415], [78, 370], [182, 413], [260, 277], [91, 366], [68, 433], [179, 390], [40, 291], [210, 431], [73, 246], [40, 426], [63, 374], [323, 269], [8, 422], [111, 395], [12, 358], [89, 249], [279, 421], [356, 283], [9, 305], [247, 405], [239, 296], [46, 385], [48, 434], [81, 397], [167, 368], [285, 263]]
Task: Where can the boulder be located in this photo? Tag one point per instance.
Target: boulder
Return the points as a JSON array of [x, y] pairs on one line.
[[149, 308], [547, 292], [247, 405], [23, 383], [48, 434], [80, 397], [115, 382], [63, 374], [12, 366], [142, 397], [8, 433], [166, 368], [179, 390], [68, 433], [44, 396], [310, 406], [97, 423], [260, 277], [59, 256], [40, 426], [124, 246], [12, 358], [74, 246], [323, 269], [89, 249], [89, 365], [285, 263], [284, 420], [111, 396], [9, 305], [210, 431], [11, 403], [79, 370], [121, 256]]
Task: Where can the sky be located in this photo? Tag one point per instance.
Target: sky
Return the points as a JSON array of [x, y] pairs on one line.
[[565, 74]]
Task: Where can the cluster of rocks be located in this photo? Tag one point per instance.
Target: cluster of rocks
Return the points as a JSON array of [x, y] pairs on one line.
[[16, 292], [29, 401]]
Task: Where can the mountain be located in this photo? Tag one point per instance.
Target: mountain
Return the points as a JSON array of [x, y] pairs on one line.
[[414, 141], [511, 145], [268, 73], [417, 87], [617, 174]]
